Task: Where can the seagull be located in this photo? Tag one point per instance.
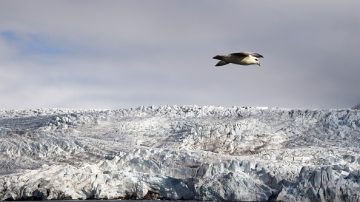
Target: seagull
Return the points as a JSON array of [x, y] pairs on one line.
[[242, 58]]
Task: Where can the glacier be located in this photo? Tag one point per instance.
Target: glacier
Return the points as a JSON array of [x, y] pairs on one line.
[[181, 153]]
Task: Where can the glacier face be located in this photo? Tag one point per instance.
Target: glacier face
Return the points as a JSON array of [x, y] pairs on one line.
[[180, 152]]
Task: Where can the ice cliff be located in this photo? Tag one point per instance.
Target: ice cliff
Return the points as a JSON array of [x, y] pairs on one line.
[[180, 152]]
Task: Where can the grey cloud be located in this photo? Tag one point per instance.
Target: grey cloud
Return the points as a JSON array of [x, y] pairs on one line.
[[141, 53]]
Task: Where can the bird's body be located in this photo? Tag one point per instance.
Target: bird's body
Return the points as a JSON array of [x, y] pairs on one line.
[[242, 58]]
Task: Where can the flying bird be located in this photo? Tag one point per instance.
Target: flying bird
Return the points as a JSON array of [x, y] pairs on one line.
[[242, 58]]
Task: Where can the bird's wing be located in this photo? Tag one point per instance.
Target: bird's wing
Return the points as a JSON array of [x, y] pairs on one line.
[[241, 54], [257, 55]]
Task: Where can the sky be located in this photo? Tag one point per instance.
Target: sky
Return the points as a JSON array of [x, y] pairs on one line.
[[127, 53]]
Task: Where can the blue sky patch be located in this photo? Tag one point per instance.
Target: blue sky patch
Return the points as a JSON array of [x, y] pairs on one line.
[[32, 43]]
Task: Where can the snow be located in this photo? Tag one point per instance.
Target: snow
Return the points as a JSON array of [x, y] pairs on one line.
[[180, 152], [356, 106]]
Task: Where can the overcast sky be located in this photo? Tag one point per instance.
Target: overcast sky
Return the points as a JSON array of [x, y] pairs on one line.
[[127, 53]]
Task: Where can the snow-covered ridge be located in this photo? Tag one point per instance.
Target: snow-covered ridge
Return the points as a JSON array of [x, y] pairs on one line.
[[180, 152]]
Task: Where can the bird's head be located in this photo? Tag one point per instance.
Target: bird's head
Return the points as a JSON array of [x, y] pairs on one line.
[[257, 61]]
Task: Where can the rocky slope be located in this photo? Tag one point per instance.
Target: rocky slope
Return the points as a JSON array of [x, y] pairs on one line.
[[186, 152]]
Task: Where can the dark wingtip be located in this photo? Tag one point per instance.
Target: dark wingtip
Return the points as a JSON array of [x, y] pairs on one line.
[[257, 55], [217, 57], [221, 63]]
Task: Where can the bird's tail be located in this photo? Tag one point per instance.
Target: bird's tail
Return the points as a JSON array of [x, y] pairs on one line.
[[221, 63], [221, 58]]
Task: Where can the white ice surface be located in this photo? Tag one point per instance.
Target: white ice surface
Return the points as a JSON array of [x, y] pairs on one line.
[[179, 152]]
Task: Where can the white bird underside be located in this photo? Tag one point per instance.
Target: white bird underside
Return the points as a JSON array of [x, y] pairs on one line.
[[241, 58]]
